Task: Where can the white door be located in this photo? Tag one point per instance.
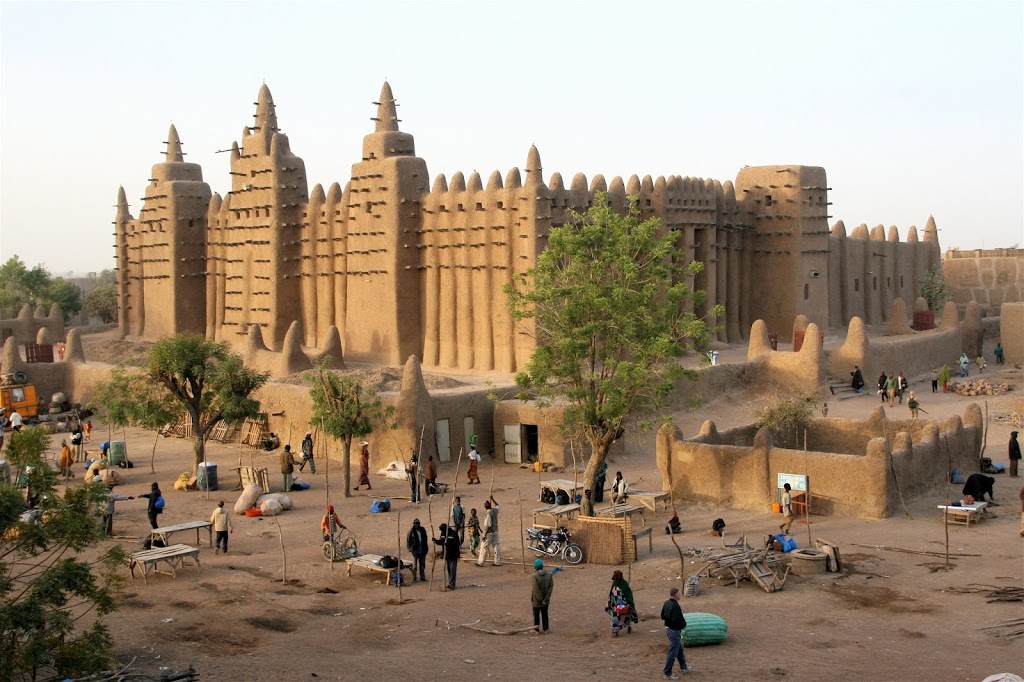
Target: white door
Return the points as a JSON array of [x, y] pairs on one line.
[[513, 444], [467, 431], [444, 445]]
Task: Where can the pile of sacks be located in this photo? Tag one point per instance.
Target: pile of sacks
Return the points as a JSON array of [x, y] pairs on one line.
[[978, 387], [270, 504]]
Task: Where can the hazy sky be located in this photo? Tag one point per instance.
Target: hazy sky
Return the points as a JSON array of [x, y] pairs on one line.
[[913, 108]]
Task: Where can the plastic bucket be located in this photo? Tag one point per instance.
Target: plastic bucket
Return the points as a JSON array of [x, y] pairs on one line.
[[538, 467], [118, 453], [206, 476]]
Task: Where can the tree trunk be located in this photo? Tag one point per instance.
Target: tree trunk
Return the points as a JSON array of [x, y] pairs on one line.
[[152, 457], [346, 465], [198, 450], [598, 453]]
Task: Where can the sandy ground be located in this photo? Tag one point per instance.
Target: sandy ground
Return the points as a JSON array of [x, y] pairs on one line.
[[888, 616]]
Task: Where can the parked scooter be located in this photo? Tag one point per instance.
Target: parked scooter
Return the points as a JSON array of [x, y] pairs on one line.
[[554, 543]]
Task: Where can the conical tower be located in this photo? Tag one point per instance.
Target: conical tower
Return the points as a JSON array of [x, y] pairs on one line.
[[384, 281]]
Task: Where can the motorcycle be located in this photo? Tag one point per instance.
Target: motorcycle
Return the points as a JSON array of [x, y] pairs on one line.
[[554, 543]]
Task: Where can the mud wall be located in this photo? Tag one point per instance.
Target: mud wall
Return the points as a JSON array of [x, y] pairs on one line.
[[847, 484], [988, 277]]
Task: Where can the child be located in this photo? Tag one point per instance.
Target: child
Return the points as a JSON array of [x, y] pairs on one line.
[[980, 362], [474, 531], [88, 431], [935, 379], [914, 406]]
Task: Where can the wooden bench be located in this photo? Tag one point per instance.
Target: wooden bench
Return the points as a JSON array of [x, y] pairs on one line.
[[964, 514], [174, 556], [369, 562], [622, 510], [650, 498], [648, 531], [557, 511], [164, 533]]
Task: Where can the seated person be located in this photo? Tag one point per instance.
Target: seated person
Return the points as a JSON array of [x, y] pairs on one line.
[[718, 527], [674, 527], [271, 442], [562, 497], [979, 485]]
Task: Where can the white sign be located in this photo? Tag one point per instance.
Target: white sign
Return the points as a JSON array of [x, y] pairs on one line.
[[795, 481]]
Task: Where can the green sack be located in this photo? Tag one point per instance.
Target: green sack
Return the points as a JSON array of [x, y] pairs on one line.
[[703, 628]]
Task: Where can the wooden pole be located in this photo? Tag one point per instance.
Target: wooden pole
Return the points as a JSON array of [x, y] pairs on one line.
[[522, 531], [807, 494], [399, 569], [455, 487], [419, 463], [433, 554], [284, 554], [984, 439], [945, 512], [490, 491]]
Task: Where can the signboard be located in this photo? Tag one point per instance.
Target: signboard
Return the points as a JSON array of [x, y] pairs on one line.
[[795, 481]]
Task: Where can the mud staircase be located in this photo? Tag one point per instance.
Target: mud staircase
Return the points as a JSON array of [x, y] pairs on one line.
[[841, 389]]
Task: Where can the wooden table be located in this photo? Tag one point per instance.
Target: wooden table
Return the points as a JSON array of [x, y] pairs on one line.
[[174, 556], [165, 532], [964, 514], [650, 498], [622, 510], [369, 562], [557, 511], [556, 484]]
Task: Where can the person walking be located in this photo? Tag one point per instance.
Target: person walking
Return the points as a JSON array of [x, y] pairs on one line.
[[431, 476], [675, 623], [16, 420], [473, 472], [491, 540], [221, 521], [287, 466], [459, 520], [474, 532], [542, 585], [66, 460], [307, 454], [1014, 452], [935, 379], [87, 430], [77, 449], [156, 504], [965, 363], [998, 352], [901, 386], [891, 388], [417, 544], [364, 467], [881, 386], [858, 379], [413, 470], [450, 551], [108, 509], [599, 480], [620, 607], [787, 508]]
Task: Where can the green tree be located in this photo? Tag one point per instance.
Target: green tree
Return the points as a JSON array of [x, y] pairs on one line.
[[101, 302], [47, 587], [20, 285], [935, 290], [609, 303], [787, 417], [345, 409], [202, 377], [132, 398]]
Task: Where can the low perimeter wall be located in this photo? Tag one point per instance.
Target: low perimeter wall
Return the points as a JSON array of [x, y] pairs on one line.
[[915, 453]]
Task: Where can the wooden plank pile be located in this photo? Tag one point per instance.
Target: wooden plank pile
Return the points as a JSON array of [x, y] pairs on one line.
[[253, 431], [224, 433], [746, 564]]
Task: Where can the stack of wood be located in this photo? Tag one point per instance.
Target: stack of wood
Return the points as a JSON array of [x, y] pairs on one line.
[[978, 387], [1008, 629], [992, 593], [736, 564]]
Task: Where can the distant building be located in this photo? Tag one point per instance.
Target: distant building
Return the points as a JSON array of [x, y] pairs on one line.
[[404, 267]]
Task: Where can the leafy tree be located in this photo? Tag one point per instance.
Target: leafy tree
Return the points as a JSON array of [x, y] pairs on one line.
[[46, 585], [20, 285], [610, 309], [202, 377], [787, 417], [132, 398], [935, 290], [101, 302], [345, 409]]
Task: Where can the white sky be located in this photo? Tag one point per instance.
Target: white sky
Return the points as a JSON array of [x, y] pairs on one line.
[[913, 108]]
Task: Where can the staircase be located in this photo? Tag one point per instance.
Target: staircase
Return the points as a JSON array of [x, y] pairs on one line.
[[841, 389]]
